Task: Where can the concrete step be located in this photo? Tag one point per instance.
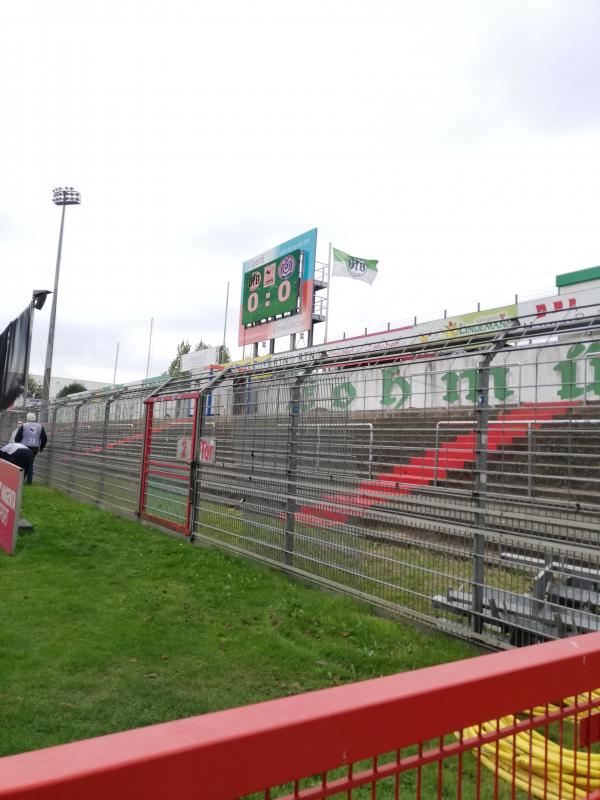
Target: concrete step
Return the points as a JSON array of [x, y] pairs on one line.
[[24, 526]]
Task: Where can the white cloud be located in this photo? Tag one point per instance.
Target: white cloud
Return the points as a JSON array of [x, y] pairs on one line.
[[456, 142]]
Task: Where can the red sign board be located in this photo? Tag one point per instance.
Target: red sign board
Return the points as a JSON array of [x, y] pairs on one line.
[[208, 449], [10, 505], [184, 448]]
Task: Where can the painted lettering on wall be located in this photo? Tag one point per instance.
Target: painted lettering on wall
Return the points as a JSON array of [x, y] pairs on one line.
[[579, 373], [575, 375], [344, 394], [453, 380], [396, 389]]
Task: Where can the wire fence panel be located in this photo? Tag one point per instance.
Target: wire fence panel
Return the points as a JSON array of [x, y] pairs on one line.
[[454, 480], [95, 447], [401, 483]]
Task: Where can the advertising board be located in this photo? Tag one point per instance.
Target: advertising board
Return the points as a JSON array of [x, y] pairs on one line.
[[277, 290], [11, 484], [198, 359], [549, 309]]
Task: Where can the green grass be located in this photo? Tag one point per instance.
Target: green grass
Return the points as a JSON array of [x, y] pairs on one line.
[[109, 625], [406, 571]]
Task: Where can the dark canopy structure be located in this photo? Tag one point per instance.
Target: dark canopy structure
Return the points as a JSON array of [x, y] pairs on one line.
[[14, 357]]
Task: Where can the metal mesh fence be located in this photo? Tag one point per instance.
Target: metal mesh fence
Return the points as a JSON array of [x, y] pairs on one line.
[[454, 482], [95, 446]]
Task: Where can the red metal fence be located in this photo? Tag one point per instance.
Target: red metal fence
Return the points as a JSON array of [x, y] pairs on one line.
[[515, 724]]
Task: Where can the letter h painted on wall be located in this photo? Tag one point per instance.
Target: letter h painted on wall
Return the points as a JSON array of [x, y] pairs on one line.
[[453, 379]]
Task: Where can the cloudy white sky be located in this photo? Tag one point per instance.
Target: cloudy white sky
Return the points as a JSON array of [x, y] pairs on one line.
[[457, 142]]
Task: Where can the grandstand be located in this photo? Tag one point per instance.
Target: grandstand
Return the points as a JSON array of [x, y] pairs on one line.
[[448, 472]]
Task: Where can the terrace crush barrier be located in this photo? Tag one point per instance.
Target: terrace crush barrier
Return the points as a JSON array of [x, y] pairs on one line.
[[517, 724], [433, 466], [355, 471]]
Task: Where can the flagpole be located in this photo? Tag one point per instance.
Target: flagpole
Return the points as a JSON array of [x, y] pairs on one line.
[[116, 362], [328, 290], [222, 359], [149, 347]]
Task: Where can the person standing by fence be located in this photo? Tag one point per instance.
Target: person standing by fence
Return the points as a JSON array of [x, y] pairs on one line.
[[33, 436]]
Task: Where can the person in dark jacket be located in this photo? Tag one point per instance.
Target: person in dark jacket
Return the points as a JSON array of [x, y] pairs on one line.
[[33, 436], [17, 454]]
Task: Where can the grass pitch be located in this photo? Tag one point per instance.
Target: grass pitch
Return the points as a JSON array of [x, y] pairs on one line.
[[109, 625]]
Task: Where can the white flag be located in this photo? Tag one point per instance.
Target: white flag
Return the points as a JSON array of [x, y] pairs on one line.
[[361, 269]]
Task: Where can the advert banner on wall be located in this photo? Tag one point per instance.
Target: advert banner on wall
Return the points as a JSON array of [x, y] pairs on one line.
[[277, 290], [11, 484]]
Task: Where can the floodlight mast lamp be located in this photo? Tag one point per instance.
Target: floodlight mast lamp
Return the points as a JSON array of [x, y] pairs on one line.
[[67, 196]]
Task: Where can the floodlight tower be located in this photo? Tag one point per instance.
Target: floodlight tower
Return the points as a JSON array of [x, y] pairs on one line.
[[60, 197]]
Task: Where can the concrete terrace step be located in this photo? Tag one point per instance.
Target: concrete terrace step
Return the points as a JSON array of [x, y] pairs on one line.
[[421, 470]]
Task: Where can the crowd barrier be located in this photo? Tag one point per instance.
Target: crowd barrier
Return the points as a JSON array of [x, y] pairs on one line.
[[521, 723]]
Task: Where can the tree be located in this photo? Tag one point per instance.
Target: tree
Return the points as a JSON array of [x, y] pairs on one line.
[[71, 388], [183, 348], [34, 389]]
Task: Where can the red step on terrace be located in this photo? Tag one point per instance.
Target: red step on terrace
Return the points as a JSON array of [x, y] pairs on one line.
[[423, 470]]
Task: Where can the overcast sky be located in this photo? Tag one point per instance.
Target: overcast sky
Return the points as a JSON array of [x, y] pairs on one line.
[[457, 142]]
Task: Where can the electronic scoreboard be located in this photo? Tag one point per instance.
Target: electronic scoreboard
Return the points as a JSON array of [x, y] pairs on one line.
[[273, 288], [277, 291]]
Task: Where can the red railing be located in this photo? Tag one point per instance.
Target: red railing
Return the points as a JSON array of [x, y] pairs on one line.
[[418, 734]]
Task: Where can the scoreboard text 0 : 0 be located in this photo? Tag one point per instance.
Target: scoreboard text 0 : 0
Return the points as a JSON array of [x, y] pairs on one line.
[[272, 288]]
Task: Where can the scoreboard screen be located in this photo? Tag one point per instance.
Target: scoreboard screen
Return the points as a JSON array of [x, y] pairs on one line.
[[273, 288], [277, 291]]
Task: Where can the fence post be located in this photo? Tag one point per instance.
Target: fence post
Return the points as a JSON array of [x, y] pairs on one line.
[[73, 444], [482, 415], [148, 412], [52, 438], [529, 460], [196, 436], [291, 504], [480, 489], [103, 450], [292, 471]]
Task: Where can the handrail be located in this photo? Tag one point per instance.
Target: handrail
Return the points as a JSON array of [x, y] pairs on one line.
[[507, 424], [345, 425]]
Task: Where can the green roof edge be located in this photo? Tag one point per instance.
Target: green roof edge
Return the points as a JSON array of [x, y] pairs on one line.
[[580, 275]]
